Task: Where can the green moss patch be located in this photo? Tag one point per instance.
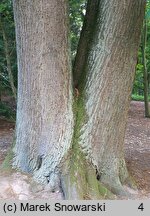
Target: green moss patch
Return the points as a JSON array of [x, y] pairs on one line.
[[7, 163], [81, 181]]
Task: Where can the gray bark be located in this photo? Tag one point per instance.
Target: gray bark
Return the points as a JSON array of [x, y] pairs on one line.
[[89, 25], [45, 127], [110, 70], [44, 109]]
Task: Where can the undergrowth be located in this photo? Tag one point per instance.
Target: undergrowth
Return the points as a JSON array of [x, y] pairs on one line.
[[138, 97], [6, 112]]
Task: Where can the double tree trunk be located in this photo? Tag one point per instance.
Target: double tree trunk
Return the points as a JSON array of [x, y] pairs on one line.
[[49, 143]]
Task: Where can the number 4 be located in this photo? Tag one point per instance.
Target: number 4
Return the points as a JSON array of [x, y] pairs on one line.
[[141, 207]]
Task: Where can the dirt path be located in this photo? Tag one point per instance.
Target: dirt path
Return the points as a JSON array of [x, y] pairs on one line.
[[137, 153]]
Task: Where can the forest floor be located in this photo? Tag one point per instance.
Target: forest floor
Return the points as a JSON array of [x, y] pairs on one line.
[[137, 148], [15, 185]]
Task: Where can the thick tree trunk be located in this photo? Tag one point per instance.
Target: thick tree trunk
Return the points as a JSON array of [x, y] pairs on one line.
[[45, 127], [44, 110], [145, 73], [110, 73], [105, 88]]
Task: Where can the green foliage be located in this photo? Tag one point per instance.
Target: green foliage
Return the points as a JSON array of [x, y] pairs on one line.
[[138, 88], [76, 14], [138, 97], [147, 15], [7, 24], [6, 112]]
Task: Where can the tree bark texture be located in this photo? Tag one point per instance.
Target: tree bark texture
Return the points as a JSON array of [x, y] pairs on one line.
[[47, 138], [106, 88], [85, 40], [44, 110]]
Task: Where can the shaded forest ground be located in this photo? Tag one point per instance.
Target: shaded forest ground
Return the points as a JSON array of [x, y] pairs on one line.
[[137, 153], [137, 147]]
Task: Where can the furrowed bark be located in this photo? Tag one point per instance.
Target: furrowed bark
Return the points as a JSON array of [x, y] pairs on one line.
[[110, 72], [49, 144], [44, 109], [85, 40], [104, 89]]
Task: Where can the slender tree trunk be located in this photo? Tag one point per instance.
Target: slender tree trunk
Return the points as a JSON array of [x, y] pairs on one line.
[[6, 48], [145, 73], [44, 110]]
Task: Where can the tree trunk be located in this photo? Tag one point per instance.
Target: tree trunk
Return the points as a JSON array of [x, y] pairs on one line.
[[145, 73], [105, 89], [8, 61], [85, 40], [44, 109], [110, 73], [48, 141]]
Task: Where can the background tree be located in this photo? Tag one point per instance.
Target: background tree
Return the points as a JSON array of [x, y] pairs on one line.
[[8, 61], [8, 66], [145, 73], [141, 84], [77, 11]]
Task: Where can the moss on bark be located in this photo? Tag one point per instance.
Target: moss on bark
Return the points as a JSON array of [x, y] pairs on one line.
[[80, 181]]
